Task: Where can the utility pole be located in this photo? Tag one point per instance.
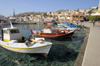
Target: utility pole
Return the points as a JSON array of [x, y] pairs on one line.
[[13, 12]]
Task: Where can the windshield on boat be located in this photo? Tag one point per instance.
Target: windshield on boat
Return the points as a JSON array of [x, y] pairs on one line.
[[14, 31]]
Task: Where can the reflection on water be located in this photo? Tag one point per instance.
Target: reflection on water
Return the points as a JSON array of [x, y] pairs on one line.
[[63, 52]]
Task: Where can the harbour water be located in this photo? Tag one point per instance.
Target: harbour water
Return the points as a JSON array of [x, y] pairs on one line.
[[63, 52]]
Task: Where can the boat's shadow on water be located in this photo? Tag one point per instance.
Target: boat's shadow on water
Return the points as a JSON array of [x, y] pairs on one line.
[[59, 53], [69, 38], [62, 39]]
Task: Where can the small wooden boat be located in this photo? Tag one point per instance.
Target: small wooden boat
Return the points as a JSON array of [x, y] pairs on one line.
[[49, 33], [67, 24], [12, 40]]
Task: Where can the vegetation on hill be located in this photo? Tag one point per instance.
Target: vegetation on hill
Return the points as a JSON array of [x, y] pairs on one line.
[[63, 10], [38, 13], [29, 13], [59, 12], [93, 10], [96, 18]]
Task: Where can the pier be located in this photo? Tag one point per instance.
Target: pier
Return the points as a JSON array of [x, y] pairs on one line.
[[90, 51]]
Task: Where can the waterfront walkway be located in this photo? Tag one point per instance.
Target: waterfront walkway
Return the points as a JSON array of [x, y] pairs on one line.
[[92, 51]]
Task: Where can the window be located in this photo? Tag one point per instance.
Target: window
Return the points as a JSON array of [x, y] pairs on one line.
[[76, 16], [81, 16], [14, 31], [73, 16]]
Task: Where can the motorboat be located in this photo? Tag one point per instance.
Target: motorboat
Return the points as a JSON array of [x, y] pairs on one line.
[[12, 40], [48, 32], [71, 26], [67, 24], [61, 26]]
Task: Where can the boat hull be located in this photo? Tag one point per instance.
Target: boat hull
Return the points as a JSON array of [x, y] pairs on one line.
[[54, 35], [44, 50]]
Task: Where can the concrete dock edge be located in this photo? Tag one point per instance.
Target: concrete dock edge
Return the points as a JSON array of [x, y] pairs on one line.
[[79, 59]]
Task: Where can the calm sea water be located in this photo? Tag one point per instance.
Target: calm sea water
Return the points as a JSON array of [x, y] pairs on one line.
[[63, 52]]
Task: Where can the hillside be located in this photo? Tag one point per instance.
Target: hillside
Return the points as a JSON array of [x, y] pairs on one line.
[[63, 10], [37, 13], [93, 10], [29, 13]]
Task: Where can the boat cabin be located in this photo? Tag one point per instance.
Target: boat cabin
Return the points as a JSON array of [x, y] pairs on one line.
[[9, 34], [47, 29]]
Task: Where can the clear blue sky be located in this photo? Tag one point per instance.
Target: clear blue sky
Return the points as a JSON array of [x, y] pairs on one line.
[[20, 6]]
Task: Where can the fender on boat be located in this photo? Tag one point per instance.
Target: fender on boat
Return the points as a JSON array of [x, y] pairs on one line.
[[32, 37]]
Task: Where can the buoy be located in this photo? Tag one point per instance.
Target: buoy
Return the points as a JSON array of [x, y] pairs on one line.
[[31, 36], [33, 39]]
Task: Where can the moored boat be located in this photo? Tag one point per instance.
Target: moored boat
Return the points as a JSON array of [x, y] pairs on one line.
[[51, 33], [71, 26], [3, 20], [12, 40]]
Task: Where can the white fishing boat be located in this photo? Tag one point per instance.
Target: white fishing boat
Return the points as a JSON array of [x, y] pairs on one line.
[[12, 40]]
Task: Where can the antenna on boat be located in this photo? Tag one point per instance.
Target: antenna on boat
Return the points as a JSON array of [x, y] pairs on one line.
[[11, 24]]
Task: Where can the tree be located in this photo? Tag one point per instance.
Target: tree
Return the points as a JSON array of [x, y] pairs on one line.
[[77, 10], [96, 18], [89, 12], [50, 13], [87, 18], [45, 15], [56, 19], [97, 8], [59, 12]]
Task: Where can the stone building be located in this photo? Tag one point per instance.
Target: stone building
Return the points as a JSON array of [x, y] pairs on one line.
[[76, 17]]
